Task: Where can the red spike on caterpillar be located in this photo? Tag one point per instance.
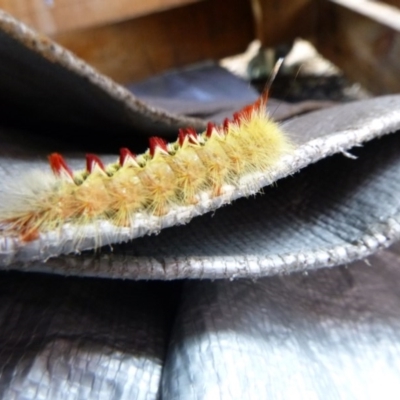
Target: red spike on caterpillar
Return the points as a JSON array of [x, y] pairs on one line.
[[126, 158], [93, 163], [59, 166], [188, 134], [157, 144], [168, 177], [210, 129]]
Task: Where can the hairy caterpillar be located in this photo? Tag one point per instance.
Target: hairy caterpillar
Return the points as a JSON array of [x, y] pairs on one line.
[[167, 175]]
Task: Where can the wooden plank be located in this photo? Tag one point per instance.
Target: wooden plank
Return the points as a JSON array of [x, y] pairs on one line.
[[281, 21], [132, 50], [55, 16], [363, 40], [395, 3], [384, 14]]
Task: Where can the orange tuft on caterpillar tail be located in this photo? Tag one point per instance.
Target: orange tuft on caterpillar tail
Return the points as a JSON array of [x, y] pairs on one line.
[[167, 177]]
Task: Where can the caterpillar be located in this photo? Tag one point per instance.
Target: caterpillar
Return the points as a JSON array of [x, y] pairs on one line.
[[167, 175]]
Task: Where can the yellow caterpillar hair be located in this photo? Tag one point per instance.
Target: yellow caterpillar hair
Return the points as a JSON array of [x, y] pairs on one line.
[[167, 175]]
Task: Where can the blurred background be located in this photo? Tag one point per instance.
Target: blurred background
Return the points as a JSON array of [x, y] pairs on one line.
[[134, 40]]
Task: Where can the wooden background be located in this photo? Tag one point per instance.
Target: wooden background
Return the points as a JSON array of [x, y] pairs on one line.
[[132, 39]]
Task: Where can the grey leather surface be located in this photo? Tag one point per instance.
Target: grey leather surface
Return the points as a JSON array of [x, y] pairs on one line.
[[330, 213], [65, 338], [329, 334]]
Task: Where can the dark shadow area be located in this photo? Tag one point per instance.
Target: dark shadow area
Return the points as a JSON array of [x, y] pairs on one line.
[[69, 321]]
